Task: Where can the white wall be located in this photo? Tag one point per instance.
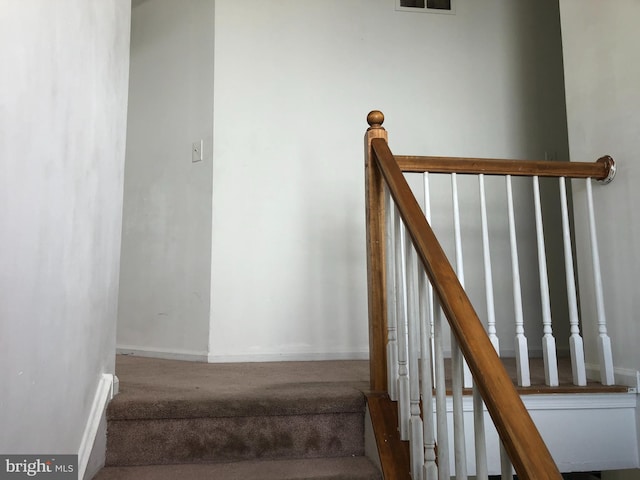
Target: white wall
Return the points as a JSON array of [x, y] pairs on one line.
[[602, 75], [294, 82], [62, 143], [166, 239]]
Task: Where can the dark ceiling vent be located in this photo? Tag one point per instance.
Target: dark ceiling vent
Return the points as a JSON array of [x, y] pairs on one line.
[[428, 6]]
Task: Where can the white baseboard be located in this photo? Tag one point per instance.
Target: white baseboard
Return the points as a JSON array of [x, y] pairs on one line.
[[289, 357], [104, 393], [167, 354], [622, 376], [200, 356], [549, 402]]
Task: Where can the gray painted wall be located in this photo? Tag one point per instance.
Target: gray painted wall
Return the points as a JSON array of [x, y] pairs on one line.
[[294, 82], [602, 72], [62, 142], [166, 237], [603, 103], [257, 253]]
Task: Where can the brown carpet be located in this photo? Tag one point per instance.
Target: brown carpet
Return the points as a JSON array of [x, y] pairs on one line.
[[345, 468], [177, 419], [154, 388], [285, 420]]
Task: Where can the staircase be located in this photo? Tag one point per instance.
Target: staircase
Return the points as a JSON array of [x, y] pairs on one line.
[[420, 315], [293, 420]]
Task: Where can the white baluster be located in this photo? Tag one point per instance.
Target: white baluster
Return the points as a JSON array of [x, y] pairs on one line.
[[482, 471], [604, 342], [478, 406], [403, 369], [441, 395], [427, 213], [548, 341], [416, 439], [576, 346], [522, 351], [392, 335], [506, 469], [488, 277], [467, 379], [457, 379], [430, 468]]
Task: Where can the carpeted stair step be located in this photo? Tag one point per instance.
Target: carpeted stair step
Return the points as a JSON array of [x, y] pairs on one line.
[[342, 468], [229, 439], [171, 412]]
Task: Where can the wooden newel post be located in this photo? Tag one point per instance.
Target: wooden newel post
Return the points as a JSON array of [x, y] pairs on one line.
[[376, 270]]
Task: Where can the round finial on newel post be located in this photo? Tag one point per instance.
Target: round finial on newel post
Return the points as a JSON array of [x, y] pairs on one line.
[[375, 119]]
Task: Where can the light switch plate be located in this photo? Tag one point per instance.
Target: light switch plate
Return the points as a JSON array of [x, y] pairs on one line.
[[196, 151]]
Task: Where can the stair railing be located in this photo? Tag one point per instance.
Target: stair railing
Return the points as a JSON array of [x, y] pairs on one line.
[[412, 284]]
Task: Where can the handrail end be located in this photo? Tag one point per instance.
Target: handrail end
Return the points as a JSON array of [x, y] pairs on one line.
[[375, 118], [610, 165]]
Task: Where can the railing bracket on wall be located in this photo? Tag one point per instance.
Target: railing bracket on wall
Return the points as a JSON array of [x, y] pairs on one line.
[[610, 163]]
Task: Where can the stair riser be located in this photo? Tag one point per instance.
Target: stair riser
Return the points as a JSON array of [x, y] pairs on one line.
[[149, 442], [336, 468]]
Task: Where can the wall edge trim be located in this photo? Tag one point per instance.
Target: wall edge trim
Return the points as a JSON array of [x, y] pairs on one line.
[[104, 393]]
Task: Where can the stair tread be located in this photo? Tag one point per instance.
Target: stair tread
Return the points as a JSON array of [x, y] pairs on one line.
[[153, 388], [337, 468], [291, 402], [176, 412]]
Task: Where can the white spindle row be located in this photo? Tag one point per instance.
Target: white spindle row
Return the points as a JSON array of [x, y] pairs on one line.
[[416, 333]]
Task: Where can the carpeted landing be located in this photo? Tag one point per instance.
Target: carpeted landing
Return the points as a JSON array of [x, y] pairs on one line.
[[268, 421]]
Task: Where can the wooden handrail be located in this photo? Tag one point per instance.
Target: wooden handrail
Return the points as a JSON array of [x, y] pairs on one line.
[[602, 169], [526, 449]]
